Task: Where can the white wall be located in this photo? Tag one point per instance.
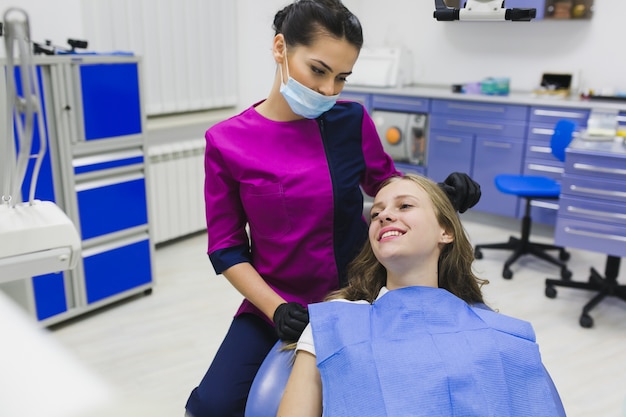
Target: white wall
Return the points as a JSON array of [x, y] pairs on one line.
[[55, 20], [443, 52]]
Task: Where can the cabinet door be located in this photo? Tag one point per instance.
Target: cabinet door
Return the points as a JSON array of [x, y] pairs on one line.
[[112, 269], [110, 100], [50, 296], [495, 156], [111, 204], [449, 152]]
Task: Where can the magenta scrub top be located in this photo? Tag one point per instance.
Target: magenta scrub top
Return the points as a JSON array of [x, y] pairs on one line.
[[297, 185]]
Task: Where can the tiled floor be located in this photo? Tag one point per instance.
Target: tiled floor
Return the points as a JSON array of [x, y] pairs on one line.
[[156, 348]]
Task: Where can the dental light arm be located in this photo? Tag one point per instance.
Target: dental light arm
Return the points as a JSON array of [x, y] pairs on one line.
[[482, 10], [36, 237]]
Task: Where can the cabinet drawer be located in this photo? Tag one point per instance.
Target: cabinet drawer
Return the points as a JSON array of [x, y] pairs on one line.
[[448, 153], [107, 160], [111, 204], [594, 189], [509, 129], [594, 210], [591, 235], [539, 150], [544, 167], [401, 103], [479, 109], [117, 267], [551, 115], [495, 156], [543, 132], [542, 211], [603, 167]]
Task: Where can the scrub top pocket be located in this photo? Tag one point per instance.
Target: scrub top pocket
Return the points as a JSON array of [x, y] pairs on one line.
[[266, 208]]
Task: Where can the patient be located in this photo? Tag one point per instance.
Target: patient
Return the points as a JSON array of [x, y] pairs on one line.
[[415, 338]]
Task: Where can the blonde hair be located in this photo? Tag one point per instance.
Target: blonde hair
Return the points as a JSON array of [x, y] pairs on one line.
[[366, 275]]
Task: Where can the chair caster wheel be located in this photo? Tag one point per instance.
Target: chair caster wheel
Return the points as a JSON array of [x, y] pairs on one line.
[[586, 321], [478, 254], [507, 273], [564, 255], [550, 291], [566, 274]]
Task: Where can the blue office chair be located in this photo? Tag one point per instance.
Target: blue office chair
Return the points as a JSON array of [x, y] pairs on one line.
[[531, 187]]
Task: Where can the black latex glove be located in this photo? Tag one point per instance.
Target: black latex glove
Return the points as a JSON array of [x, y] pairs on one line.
[[462, 191], [290, 320]]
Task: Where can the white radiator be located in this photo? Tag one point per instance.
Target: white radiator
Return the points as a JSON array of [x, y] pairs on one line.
[[176, 189]]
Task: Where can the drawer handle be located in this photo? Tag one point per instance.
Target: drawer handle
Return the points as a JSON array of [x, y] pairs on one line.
[[540, 149], [398, 101], [593, 168], [113, 156], [545, 168], [448, 139], [556, 113], [594, 234], [105, 182], [475, 108], [542, 131], [596, 213], [598, 192], [96, 250], [474, 125], [497, 144], [545, 205]]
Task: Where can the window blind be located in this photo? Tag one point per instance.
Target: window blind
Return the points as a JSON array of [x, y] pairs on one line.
[[188, 48]]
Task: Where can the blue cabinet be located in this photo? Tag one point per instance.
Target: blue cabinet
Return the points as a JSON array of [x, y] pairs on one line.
[[364, 98], [482, 140], [95, 170], [113, 269], [592, 212], [539, 159]]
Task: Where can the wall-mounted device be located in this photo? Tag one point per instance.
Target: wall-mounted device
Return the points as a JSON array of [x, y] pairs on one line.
[[482, 10]]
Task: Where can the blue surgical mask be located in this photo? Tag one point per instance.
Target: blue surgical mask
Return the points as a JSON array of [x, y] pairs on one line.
[[302, 100]]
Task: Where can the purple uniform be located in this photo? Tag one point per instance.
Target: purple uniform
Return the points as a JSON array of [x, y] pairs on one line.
[[297, 185]]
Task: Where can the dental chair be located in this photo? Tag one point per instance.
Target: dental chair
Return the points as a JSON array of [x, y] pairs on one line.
[[269, 383]]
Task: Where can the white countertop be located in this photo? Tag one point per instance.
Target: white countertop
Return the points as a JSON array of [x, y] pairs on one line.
[[515, 97]]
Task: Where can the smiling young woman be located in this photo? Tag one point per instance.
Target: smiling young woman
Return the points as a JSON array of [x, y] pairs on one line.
[[410, 334]]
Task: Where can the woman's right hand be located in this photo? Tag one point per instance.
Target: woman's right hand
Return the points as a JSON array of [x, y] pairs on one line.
[[290, 320]]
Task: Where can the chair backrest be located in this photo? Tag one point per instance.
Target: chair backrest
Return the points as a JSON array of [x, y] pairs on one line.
[[561, 138], [269, 383]]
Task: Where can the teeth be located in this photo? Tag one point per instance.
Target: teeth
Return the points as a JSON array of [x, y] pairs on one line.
[[391, 233]]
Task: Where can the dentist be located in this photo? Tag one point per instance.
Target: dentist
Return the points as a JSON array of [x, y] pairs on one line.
[[291, 167]]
